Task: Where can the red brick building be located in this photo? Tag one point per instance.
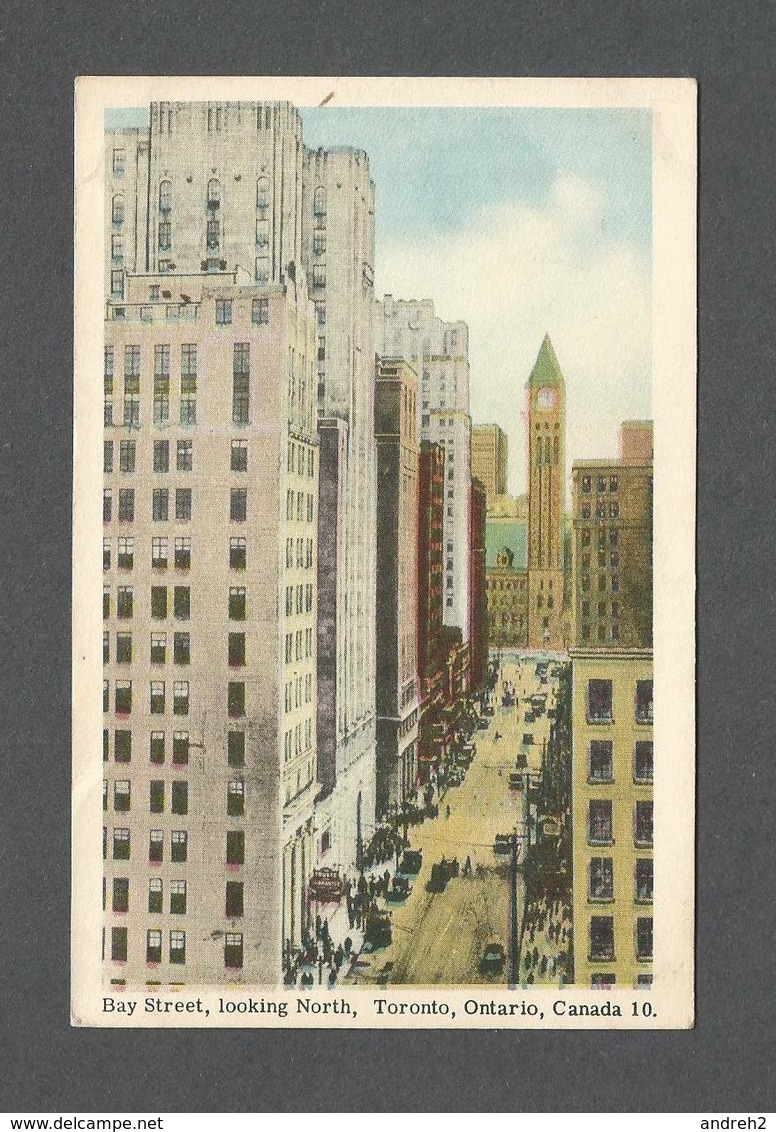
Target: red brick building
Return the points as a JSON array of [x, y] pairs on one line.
[[431, 659]]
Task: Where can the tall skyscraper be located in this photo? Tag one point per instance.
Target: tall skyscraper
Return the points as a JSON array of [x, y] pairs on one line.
[[439, 353], [546, 499], [230, 185], [396, 430], [209, 605]]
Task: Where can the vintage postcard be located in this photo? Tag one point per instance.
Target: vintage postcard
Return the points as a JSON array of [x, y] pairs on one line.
[[387, 391]]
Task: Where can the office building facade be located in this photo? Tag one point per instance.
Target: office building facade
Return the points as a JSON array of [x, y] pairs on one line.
[[490, 459]]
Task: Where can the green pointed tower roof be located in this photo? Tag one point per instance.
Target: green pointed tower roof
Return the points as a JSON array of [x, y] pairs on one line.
[[546, 370]]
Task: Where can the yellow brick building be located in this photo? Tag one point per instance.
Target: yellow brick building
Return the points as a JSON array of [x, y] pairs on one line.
[[612, 816]]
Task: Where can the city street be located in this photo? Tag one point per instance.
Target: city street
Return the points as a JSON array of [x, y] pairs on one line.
[[439, 938]]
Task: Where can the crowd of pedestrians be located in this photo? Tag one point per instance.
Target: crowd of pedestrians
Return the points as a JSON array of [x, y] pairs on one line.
[[547, 941]]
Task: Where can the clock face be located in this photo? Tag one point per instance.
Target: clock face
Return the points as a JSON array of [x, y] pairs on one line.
[[545, 399]]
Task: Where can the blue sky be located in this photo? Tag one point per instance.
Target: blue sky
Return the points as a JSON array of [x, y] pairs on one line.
[[519, 221]]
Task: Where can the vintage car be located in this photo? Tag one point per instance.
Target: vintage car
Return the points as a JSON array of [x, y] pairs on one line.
[[411, 862], [441, 872], [515, 780], [378, 932], [399, 890], [527, 738], [502, 844], [493, 959]]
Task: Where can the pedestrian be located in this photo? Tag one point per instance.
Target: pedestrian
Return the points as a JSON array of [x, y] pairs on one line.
[[535, 955], [447, 812]]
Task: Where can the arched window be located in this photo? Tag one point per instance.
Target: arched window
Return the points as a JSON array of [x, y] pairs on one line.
[[262, 193], [213, 193], [165, 196], [117, 209], [319, 203], [547, 450], [556, 451]]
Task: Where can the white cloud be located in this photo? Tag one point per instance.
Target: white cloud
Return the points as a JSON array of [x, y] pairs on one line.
[[518, 272]]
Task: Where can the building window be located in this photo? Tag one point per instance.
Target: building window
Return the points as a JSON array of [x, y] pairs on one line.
[[126, 456], [180, 698], [121, 795], [644, 937], [601, 879], [644, 880], [177, 897], [119, 161], [117, 284], [107, 457], [118, 945], [236, 748], [213, 186], [585, 511], [161, 455], [179, 800], [156, 752], [123, 697], [644, 701], [158, 552], [155, 894], [260, 312], [160, 504], [117, 210], [236, 698], [234, 899], [235, 847], [126, 505], [183, 553], [599, 830], [158, 648], [614, 510], [235, 798], [106, 556], [107, 506], [238, 504], [122, 743], [236, 650], [182, 603], [153, 946], [643, 824], [157, 697], [185, 456], [179, 845], [319, 243], [121, 845], [643, 761], [183, 504], [155, 847], [181, 648], [262, 186], [603, 980], [614, 483], [233, 950], [156, 796], [602, 937], [601, 765], [319, 207], [237, 603], [177, 947], [599, 701], [120, 902], [237, 553], [223, 312], [158, 602], [239, 456], [319, 275], [180, 748], [123, 648], [126, 552]]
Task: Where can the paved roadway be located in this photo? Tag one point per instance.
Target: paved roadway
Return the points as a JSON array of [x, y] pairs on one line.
[[439, 938]]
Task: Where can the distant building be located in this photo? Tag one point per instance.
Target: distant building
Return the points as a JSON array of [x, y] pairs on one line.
[[396, 434], [489, 459], [478, 600], [431, 486], [612, 816], [439, 353], [507, 582], [612, 545], [546, 394]]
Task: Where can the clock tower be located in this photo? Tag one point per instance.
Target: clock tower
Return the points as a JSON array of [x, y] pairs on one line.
[[546, 500]]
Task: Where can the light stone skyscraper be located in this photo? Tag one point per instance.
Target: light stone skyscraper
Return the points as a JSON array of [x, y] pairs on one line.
[[439, 353], [229, 187]]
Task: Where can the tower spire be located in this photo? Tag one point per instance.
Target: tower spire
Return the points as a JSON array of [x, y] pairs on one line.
[[546, 370]]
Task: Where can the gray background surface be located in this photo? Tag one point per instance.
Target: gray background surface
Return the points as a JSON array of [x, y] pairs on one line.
[[726, 1062]]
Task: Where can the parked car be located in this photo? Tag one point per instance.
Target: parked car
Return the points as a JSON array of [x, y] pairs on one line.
[[378, 932], [528, 738], [493, 960], [515, 781], [399, 890], [502, 844]]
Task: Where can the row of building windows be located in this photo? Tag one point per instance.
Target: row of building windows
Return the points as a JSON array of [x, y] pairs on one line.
[[122, 700], [601, 880], [299, 507], [602, 940], [610, 536], [603, 483], [122, 747], [184, 456], [299, 552], [298, 645], [300, 459], [298, 691], [181, 648], [233, 947], [599, 701], [160, 604], [160, 505], [178, 897], [605, 583], [602, 632], [178, 793], [294, 743], [299, 599], [600, 827], [601, 510], [125, 559], [121, 840]]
